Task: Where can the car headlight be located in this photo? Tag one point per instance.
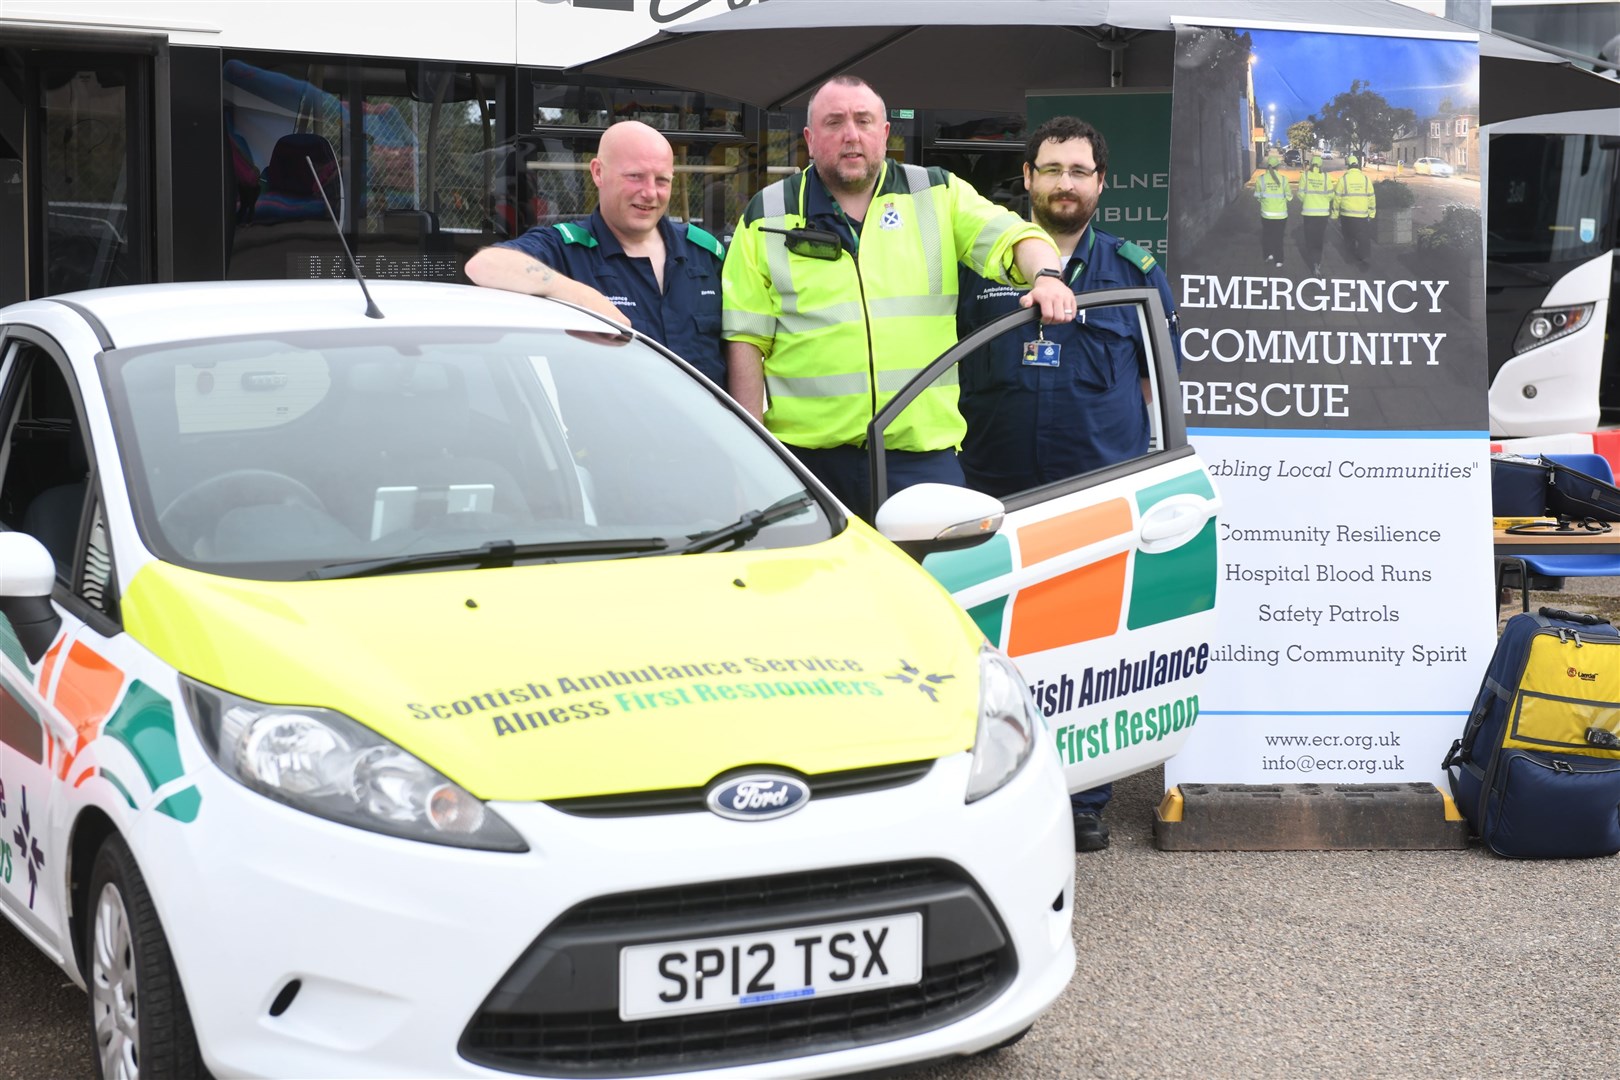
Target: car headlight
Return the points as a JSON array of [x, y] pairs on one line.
[[1006, 725], [324, 763]]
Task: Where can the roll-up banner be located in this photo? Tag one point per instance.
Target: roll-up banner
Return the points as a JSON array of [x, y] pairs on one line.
[[1335, 382]]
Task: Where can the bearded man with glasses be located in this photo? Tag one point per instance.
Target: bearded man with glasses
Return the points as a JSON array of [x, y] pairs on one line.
[[1038, 416]]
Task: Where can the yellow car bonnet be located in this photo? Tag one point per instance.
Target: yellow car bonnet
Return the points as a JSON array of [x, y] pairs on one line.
[[593, 678]]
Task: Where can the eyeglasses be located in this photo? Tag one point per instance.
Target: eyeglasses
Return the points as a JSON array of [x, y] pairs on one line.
[[1052, 172]]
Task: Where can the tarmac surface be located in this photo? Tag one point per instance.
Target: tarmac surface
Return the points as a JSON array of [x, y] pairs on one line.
[[1325, 964]]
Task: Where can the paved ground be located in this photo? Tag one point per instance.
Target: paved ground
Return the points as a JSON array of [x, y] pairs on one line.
[[1327, 964], [1233, 964]]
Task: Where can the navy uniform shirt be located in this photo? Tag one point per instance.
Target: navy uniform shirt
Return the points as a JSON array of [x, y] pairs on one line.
[[1029, 425], [685, 317]]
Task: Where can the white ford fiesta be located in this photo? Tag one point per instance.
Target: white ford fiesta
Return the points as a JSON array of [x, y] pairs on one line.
[[476, 691]]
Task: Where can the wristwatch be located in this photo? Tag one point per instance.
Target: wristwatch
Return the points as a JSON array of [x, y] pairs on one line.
[[1047, 271]]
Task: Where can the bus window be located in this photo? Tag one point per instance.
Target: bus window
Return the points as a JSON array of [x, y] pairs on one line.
[[714, 154], [1552, 198], [402, 150]]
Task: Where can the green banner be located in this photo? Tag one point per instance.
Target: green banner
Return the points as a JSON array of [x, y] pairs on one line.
[[1136, 125]]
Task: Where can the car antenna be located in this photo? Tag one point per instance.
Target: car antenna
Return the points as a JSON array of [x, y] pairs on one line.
[[372, 310]]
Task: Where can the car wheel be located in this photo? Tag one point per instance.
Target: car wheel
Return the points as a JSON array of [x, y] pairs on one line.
[[139, 1023]]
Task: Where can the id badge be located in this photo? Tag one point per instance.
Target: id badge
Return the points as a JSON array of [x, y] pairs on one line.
[[1041, 353]]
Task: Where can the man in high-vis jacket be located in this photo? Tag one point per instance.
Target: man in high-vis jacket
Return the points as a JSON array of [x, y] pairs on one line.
[[832, 331], [1273, 193], [1357, 206], [1315, 208]]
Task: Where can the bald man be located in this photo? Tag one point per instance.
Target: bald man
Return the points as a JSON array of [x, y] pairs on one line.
[[627, 260]]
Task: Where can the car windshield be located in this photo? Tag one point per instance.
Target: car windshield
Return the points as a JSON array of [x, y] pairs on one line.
[[300, 454]]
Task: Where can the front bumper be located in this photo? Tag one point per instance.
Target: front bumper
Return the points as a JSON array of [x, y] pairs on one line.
[[409, 958]]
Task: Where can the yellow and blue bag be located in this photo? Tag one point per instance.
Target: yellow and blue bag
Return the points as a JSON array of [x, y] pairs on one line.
[[1537, 770]]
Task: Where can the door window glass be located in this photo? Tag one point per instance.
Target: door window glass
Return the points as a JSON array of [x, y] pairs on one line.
[[89, 238], [46, 461], [1052, 409]]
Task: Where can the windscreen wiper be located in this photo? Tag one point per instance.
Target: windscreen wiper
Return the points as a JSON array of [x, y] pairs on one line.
[[746, 526], [496, 553]]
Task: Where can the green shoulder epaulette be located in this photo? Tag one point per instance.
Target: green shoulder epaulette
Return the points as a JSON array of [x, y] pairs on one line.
[[1131, 253], [705, 240], [574, 234]]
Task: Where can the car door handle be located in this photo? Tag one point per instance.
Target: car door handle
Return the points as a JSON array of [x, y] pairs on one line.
[[1175, 521]]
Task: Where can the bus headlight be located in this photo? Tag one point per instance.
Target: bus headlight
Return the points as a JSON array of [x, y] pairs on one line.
[[1549, 324]]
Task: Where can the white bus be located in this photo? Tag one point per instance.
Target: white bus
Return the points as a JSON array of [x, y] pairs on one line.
[[166, 140], [1552, 223]]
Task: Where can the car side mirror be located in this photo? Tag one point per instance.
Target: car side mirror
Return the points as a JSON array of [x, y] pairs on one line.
[[927, 518], [27, 576]]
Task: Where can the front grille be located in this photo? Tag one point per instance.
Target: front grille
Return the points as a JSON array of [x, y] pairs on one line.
[[820, 890], [556, 1011], [692, 800]]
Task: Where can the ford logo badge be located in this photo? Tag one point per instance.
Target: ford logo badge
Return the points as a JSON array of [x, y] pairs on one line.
[[758, 797]]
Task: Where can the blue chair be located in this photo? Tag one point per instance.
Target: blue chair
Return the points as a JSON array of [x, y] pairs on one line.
[[1562, 566]]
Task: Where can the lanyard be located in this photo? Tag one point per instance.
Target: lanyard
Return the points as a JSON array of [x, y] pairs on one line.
[[1080, 261], [854, 233]]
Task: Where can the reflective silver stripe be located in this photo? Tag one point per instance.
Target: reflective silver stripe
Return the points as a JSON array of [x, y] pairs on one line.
[[804, 386], [922, 204], [774, 203], [891, 307], [807, 386], [886, 307], [747, 322], [794, 322], [985, 245], [892, 382]]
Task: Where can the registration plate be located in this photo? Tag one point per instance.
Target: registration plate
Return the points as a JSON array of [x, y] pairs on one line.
[[704, 974]]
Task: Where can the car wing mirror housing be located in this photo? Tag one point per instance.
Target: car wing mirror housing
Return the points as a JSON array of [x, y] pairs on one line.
[[27, 576], [925, 519]]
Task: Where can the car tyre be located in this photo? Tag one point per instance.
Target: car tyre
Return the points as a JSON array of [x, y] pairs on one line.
[[1015, 1037], [139, 1023]]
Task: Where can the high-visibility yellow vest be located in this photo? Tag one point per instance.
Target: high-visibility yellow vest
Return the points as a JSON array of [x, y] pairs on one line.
[[1355, 195], [839, 338], [1271, 188], [1315, 194]]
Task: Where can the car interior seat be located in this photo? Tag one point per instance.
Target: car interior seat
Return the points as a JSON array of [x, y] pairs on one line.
[[290, 192], [53, 516], [409, 425]]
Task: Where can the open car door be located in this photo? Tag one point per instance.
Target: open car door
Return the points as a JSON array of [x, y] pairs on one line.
[[1101, 587]]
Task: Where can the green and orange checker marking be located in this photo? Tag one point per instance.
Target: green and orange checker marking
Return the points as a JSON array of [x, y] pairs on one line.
[[1050, 607], [98, 700]]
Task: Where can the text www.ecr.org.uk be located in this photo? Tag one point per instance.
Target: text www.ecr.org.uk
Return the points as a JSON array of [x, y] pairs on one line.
[[1307, 763]]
